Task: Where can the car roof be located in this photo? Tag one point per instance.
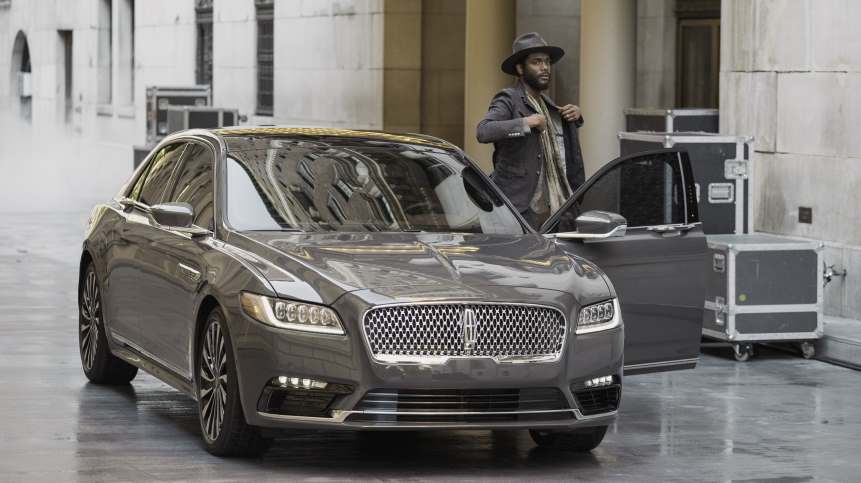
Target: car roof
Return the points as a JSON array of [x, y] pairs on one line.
[[324, 133]]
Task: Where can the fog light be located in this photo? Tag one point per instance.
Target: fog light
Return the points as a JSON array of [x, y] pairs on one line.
[[298, 382], [599, 381]]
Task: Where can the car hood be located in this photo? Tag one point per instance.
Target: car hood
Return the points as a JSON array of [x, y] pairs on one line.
[[400, 266]]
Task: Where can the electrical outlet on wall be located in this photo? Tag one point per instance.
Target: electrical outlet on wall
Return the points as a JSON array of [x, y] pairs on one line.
[[805, 214]]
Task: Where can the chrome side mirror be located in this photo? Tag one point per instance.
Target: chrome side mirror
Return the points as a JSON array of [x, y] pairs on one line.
[[597, 224], [174, 215]]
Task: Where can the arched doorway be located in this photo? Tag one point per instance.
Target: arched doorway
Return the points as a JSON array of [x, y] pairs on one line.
[[21, 81]]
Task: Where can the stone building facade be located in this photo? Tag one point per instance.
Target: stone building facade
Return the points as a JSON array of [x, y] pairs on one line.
[[73, 75]]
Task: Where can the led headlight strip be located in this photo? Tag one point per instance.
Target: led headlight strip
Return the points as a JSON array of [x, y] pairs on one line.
[[600, 316], [289, 314]]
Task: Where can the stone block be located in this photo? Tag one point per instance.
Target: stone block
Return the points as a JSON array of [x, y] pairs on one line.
[[784, 182], [233, 11], [655, 8], [376, 41], [315, 8], [835, 290], [403, 6], [443, 38], [851, 110], [749, 106], [402, 98], [835, 37], [810, 113], [403, 47], [852, 290], [234, 45], [306, 43], [738, 22], [446, 7], [353, 42], [781, 36], [555, 8]]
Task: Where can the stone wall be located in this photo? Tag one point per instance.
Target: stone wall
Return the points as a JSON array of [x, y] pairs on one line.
[[48, 163], [328, 62], [791, 76]]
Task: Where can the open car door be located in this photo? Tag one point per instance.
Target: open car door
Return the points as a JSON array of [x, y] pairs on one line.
[[658, 266]]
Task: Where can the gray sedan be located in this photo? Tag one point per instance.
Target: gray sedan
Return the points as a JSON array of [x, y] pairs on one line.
[[336, 279]]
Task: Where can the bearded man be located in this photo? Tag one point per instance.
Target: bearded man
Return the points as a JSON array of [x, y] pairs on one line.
[[537, 160]]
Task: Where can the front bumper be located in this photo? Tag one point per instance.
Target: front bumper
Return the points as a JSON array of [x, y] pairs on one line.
[[263, 353]]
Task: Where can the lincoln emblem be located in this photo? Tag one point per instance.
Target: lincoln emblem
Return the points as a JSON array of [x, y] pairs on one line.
[[470, 328]]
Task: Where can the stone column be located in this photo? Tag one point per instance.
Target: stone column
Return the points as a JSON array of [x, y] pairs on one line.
[[489, 33], [608, 34]]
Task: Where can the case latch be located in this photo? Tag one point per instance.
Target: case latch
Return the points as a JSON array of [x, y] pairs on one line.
[[736, 169]]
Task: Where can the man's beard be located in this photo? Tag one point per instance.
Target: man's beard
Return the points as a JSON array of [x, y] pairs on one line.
[[534, 82]]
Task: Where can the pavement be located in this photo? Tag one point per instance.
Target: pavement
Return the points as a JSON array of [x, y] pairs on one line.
[[776, 418]]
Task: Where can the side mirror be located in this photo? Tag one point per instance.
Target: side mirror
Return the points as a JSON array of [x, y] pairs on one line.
[[174, 215], [597, 224]]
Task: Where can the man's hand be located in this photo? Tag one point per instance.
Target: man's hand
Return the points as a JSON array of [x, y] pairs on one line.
[[536, 121], [570, 112]]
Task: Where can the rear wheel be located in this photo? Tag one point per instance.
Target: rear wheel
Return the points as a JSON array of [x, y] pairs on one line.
[[579, 440], [100, 366], [222, 421]]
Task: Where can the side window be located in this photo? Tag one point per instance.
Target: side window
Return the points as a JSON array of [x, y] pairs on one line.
[[148, 189], [646, 190], [194, 184]]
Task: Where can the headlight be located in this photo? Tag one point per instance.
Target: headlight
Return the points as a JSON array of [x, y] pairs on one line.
[[287, 314], [600, 316]]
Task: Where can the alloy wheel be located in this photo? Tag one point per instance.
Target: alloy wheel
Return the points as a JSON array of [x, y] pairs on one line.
[[213, 380], [91, 312]]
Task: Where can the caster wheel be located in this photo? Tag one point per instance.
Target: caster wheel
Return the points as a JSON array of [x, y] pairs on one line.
[[742, 352], [808, 350]]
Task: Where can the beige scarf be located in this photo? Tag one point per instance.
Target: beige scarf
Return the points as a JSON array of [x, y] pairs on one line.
[[552, 180]]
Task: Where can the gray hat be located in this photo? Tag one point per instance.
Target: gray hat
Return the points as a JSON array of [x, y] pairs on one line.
[[528, 44]]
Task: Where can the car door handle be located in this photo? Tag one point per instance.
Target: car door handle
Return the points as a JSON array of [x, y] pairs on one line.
[[671, 230]]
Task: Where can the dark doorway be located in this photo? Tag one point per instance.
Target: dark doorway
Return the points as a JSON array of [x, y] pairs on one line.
[[21, 81], [698, 53], [66, 52]]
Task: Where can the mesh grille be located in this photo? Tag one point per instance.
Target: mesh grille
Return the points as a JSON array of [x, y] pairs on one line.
[[436, 331], [595, 401]]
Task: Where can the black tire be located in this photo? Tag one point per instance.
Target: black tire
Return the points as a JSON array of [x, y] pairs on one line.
[[99, 365], [578, 440], [222, 422]]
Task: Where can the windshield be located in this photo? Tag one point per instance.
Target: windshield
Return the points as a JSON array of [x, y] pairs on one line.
[[358, 185]]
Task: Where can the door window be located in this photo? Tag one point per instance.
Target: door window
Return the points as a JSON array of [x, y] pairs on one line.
[[150, 186], [194, 184], [647, 190]]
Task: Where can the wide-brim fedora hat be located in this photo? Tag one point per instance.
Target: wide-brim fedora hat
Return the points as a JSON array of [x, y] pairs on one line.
[[526, 44]]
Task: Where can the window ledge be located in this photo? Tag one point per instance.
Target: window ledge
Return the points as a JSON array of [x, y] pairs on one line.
[[105, 110], [126, 112]]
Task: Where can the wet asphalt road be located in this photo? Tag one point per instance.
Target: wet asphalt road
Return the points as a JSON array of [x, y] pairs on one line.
[[776, 418]]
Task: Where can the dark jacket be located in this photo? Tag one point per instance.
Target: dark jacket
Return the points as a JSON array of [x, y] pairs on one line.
[[517, 151]]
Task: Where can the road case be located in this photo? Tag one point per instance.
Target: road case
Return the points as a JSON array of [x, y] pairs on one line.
[[672, 120], [722, 172], [763, 288], [158, 99], [180, 118]]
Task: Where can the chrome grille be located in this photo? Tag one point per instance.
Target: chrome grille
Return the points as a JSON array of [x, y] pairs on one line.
[[425, 332]]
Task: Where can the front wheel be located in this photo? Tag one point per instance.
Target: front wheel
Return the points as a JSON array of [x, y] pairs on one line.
[[579, 440], [222, 421], [100, 366]]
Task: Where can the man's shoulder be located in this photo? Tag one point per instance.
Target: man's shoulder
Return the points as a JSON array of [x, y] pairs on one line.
[[508, 92]]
